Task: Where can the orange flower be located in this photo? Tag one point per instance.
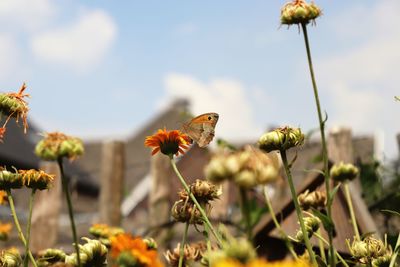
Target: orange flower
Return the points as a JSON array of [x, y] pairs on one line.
[[3, 197], [5, 229], [136, 247], [168, 142]]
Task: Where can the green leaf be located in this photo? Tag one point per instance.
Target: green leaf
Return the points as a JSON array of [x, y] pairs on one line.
[[333, 193], [326, 221]]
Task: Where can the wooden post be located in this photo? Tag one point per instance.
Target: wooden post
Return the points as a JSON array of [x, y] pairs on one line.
[[112, 182], [340, 148], [159, 205], [46, 211]]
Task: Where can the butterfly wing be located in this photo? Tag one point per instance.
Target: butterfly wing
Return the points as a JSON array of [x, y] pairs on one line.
[[201, 128]]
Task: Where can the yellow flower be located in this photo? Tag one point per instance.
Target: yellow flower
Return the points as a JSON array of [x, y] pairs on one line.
[[168, 142], [5, 229], [3, 197], [124, 244], [227, 262]]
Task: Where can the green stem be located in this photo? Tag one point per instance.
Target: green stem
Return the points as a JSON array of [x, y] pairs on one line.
[[207, 233], [350, 204], [19, 230], [321, 246], [323, 142], [246, 212], [297, 207], [70, 210], [182, 246], [395, 252], [28, 227], [202, 212], [277, 225], [337, 254]]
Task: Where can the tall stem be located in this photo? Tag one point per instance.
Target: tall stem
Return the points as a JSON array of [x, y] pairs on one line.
[[208, 241], [350, 204], [320, 238], [297, 207], [323, 142], [277, 225], [70, 209], [193, 198], [246, 213], [28, 226], [182, 246], [395, 252], [19, 230]]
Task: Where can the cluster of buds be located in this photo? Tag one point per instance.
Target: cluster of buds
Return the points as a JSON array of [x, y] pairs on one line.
[[104, 232], [190, 255], [185, 210], [93, 254], [315, 199], [14, 105], [10, 258], [312, 224], [299, 12], [343, 172], [370, 251], [5, 229], [58, 145], [281, 139], [246, 168], [50, 257]]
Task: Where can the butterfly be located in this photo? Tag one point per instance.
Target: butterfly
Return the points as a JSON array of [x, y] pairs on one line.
[[201, 128]]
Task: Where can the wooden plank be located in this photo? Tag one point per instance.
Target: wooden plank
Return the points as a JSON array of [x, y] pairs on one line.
[[112, 182]]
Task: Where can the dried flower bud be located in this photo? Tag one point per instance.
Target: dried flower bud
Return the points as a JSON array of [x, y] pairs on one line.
[[50, 256], [343, 172], [5, 229], [9, 180], [299, 12], [204, 191], [36, 179], [93, 254], [186, 211], [10, 258], [315, 199], [221, 167], [14, 105], [312, 225], [190, 254], [281, 139], [58, 145], [383, 261], [370, 250]]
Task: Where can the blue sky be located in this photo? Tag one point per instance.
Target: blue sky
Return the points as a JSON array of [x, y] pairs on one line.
[[103, 68]]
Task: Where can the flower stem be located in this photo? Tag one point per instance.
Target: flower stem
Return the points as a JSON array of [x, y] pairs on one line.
[[207, 234], [297, 207], [277, 225], [337, 254], [70, 210], [28, 226], [323, 142], [321, 246], [182, 246], [202, 212], [350, 204], [246, 212], [19, 230], [395, 252]]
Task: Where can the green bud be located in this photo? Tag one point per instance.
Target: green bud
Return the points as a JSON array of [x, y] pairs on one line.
[[10, 258], [343, 172]]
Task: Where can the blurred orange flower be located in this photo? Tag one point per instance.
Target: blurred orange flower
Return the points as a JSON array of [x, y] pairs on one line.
[[3, 197], [136, 247], [168, 142]]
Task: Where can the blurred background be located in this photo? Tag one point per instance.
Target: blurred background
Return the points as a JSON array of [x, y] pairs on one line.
[[100, 69]]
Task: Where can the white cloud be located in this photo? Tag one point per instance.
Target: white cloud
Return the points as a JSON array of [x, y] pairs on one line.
[[8, 55], [229, 98], [26, 14], [362, 80], [80, 45]]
